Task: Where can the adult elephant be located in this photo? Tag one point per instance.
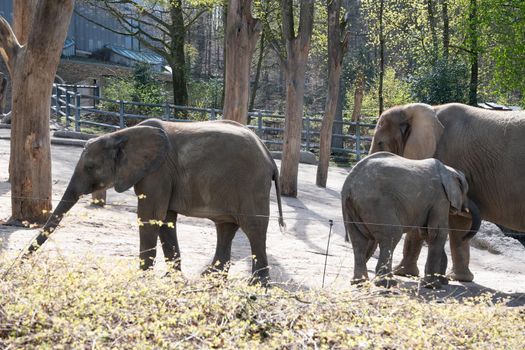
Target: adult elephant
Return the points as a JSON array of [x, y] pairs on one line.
[[487, 146], [218, 170]]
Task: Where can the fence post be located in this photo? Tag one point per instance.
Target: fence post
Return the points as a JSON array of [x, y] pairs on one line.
[[213, 115], [77, 112], [259, 124], [308, 133], [57, 102], [96, 92], [121, 115], [167, 111], [68, 102], [358, 140]]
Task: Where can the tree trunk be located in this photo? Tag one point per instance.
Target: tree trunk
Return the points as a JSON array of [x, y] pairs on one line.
[[257, 74], [474, 53], [32, 68], [446, 29], [335, 61], [337, 128], [242, 32], [297, 49], [178, 65], [381, 56], [358, 96], [431, 10]]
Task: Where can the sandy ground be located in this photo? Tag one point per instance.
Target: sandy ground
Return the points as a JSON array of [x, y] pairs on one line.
[[296, 256]]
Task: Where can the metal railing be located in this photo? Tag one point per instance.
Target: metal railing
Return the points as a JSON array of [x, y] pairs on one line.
[[80, 108]]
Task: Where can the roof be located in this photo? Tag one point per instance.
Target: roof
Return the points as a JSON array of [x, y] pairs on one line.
[[145, 57]]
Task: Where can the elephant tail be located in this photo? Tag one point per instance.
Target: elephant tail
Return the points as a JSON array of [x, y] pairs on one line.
[[476, 220], [282, 225]]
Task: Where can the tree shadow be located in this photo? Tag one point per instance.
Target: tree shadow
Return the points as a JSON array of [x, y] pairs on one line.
[[461, 291]]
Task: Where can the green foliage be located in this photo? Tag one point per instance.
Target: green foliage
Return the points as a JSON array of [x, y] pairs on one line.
[[442, 82], [68, 303], [205, 94], [395, 92], [143, 87]]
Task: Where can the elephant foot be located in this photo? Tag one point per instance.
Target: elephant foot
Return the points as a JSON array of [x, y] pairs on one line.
[[431, 282], [385, 282], [406, 270], [358, 281], [462, 276], [443, 280], [261, 277]]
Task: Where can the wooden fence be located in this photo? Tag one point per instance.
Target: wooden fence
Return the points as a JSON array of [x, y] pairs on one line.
[[82, 106]]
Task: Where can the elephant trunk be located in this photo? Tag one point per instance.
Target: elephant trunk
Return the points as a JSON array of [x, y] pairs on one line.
[[476, 220], [69, 199]]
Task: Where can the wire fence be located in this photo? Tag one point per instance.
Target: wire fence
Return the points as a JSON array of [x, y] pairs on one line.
[[82, 107]]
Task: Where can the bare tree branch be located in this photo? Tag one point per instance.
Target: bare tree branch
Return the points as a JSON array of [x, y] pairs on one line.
[[9, 45]]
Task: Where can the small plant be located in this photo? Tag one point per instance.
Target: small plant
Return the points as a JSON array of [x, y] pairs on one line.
[[63, 302]]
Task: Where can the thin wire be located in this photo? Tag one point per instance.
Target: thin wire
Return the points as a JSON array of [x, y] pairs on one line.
[[207, 213], [327, 246]]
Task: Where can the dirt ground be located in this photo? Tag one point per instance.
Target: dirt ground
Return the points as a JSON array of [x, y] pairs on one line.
[[296, 256]]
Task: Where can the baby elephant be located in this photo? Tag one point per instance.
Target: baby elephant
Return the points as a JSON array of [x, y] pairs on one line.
[[385, 195]]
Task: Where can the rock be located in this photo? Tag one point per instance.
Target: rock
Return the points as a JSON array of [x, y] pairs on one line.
[[490, 238], [306, 157], [66, 134]]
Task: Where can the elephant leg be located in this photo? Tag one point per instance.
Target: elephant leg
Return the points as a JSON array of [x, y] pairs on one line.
[[437, 237], [411, 249], [255, 230], [168, 239], [361, 246], [387, 244], [148, 209], [460, 249], [221, 260], [148, 245]]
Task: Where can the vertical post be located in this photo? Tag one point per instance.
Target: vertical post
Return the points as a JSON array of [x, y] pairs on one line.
[[307, 133], [213, 115], [166, 111], [259, 124], [57, 102], [77, 112], [121, 115], [96, 93], [68, 106], [358, 140]]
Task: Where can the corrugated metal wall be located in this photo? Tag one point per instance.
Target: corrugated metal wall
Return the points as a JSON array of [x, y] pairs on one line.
[[87, 36]]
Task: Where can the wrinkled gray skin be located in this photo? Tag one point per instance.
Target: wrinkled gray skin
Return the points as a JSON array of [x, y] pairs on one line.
[[218, 170], [385, 195], [487, 146]]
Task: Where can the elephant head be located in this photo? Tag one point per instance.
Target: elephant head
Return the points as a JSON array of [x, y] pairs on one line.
[[120, 160], [411, 131], [456, 188]]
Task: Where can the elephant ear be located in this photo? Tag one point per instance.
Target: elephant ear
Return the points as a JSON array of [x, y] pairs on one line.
[[456, 187], [422, 131], [139, 150]]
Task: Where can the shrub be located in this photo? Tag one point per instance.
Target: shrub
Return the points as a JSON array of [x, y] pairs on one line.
[[443, 82]]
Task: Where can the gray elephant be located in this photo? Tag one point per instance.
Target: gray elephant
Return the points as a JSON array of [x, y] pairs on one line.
[[218, 170], [487, 146], [385, 195]]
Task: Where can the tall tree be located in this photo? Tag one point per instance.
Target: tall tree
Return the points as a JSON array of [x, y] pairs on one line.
[[381, 54], [160, 26], [293, 61], [473, 48], [32, 54], [432, 24], [242, 32], [446, 29], [337, 44]]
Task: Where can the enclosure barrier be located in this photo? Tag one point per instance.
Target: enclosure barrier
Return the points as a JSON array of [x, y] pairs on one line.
[[82, 105]]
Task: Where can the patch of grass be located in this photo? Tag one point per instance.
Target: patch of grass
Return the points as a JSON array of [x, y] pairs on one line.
[[88, 303]]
